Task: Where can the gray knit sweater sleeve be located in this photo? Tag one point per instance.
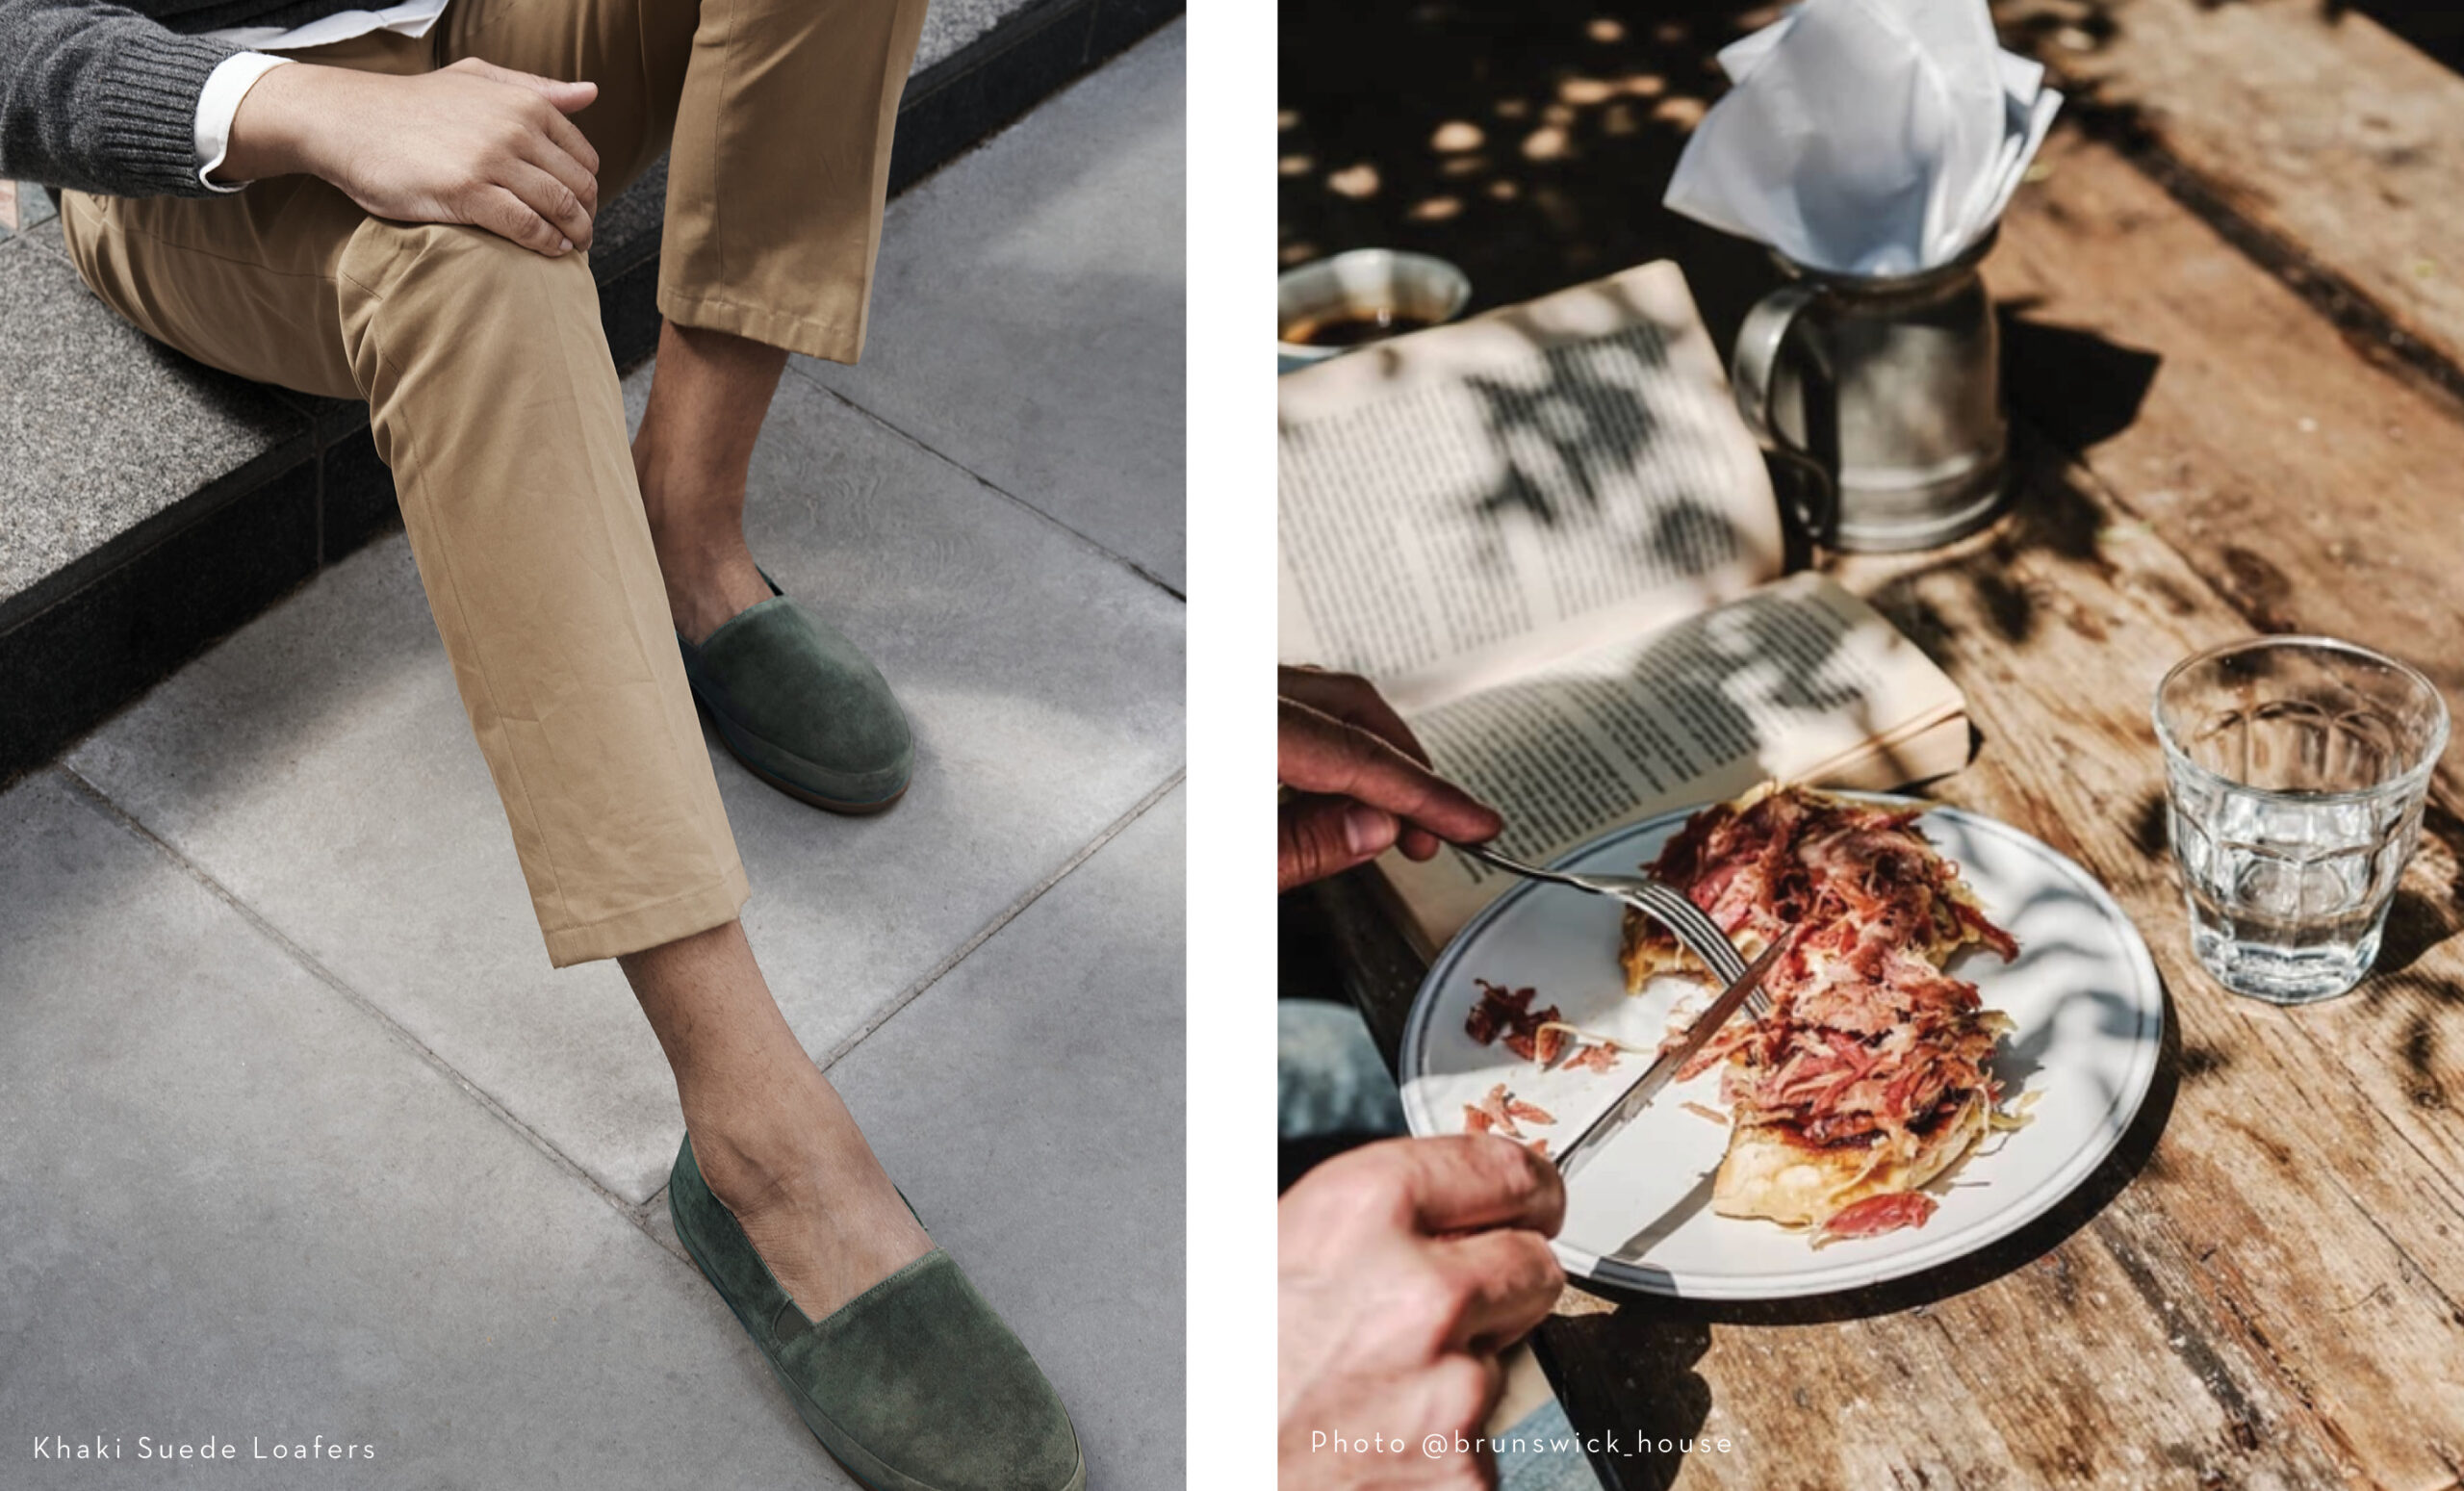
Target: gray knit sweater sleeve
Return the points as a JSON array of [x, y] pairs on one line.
[[100, 98]]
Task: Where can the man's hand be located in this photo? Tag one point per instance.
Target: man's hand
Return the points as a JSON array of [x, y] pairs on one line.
[[1403, 1270], [1363, 782], [473, 143]]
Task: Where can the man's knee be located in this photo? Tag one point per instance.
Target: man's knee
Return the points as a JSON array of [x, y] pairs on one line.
[[459, 290]]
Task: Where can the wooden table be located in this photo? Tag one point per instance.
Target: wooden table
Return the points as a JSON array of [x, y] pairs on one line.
[[2235, 304]]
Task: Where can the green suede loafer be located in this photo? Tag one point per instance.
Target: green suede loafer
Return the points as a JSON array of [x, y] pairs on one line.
[[802, 708], [913, 1385]]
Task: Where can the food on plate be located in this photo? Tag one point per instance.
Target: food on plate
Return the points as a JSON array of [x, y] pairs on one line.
[[1599, 1057], [1500, 1111], [1536, 1035], [1508, 1013], [1870, 1075], [1793, 855]]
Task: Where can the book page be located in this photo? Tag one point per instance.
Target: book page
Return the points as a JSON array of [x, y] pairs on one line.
[[1465, 503], [1799, 682]]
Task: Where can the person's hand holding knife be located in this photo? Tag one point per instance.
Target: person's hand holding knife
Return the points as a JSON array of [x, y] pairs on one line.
[[1405, 1268]]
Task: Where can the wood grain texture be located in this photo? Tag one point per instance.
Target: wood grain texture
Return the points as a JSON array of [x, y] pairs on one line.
[[2265, 1286], [2330, 140], [2259, 1289], [2234, 317], [2309, 487]]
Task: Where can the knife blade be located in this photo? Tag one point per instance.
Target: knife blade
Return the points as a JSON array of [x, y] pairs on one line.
[[1661, 1072]]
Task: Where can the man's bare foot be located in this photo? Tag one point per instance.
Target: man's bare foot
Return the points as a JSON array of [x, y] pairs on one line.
[[773, 1140], [810, 1195], [707, 583]]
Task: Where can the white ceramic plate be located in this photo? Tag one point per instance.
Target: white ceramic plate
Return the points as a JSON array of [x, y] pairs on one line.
[[2089, 1019]]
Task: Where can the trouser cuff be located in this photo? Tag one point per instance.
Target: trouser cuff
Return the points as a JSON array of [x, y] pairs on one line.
[[652, 926], [841, 342]]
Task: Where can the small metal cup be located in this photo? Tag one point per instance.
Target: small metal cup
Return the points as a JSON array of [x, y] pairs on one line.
[[1364, 282], [1890, 386]]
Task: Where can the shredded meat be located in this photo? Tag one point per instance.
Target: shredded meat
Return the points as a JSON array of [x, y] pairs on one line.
[[1498, 1011], [1492, 1108], [1877, 1215], [1868, 1040], [1500, 1112], [1602, 1057], [1508, 1013]]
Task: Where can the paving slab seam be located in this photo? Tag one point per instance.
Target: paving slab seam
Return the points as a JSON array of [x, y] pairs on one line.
[[1008, 915], [640, 1216], [998, 490], [308, 961], [657, 1203]]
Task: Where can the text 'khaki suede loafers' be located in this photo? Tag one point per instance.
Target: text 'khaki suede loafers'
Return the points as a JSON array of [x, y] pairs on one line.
[[802, 708], [915, 1385]]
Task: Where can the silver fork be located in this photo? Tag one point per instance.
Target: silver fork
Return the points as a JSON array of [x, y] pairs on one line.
[[1662, 903]]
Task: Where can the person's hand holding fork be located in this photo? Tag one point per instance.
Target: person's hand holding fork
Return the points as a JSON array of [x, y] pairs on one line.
[[1360, 781]]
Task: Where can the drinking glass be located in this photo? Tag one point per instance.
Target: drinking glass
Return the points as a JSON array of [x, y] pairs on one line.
[[2294, 773]]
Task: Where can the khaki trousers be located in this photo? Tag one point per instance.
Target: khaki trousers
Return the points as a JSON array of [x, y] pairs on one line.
[[493, 399]]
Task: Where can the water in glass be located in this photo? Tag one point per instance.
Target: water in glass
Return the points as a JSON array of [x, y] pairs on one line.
[[2295, 771]]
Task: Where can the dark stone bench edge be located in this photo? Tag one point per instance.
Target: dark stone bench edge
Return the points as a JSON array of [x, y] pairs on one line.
[[80, 644]]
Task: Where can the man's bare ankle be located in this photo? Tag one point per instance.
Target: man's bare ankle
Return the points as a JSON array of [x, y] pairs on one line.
[[705, 592], [760, 1160]]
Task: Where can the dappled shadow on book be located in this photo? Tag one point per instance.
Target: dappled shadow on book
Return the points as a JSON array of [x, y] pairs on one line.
[[1779, 685], [1574, 433], [1446, 494], [1576, 441]]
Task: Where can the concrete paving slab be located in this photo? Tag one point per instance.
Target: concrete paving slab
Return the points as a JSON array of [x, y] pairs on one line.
[[981, 1096], [238, 1208], [318, 764], [1027, 319]]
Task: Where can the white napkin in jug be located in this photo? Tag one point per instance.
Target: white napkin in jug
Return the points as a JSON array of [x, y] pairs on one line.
[[1866, 137]]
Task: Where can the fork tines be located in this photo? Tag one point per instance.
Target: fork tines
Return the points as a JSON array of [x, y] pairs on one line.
[[1701, 935]]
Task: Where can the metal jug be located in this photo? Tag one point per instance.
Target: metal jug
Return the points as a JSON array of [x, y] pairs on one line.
[[1891, 387]]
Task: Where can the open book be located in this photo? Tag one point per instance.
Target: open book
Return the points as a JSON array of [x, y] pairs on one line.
[[1548, 537]]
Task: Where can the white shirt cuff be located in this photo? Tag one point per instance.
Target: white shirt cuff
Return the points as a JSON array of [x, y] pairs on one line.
[[216, 107]]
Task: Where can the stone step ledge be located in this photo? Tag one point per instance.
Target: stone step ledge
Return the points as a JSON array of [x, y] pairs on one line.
[[149, 504]]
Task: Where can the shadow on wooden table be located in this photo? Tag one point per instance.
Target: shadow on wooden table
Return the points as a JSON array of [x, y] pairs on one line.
[[2434, 26], [1635, 1360], [2076, 387], [1528, 143]]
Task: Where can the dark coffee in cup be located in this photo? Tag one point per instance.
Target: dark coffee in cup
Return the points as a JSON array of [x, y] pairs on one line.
[[1326, 307], [1353, 326]]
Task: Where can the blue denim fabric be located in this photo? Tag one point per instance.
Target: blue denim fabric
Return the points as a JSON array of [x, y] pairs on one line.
[[1330, 1079], [1550, 1459]]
